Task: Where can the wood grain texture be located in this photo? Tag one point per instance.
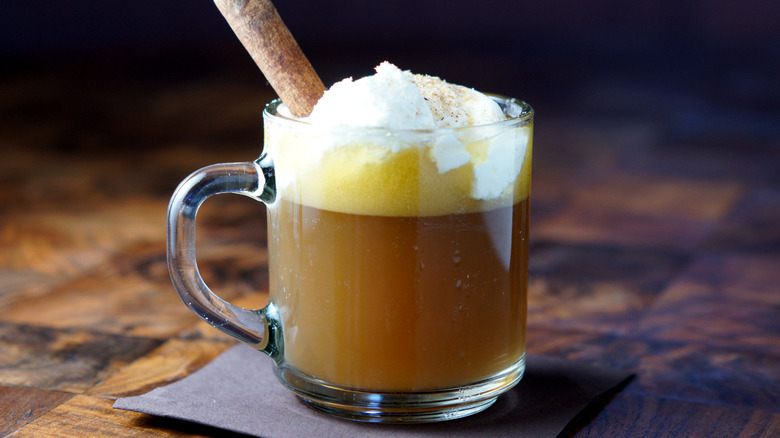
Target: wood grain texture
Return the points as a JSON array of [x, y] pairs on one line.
[[673, 369], [725, 301], [69, 360], [20, 406], [600, 288], [681, 418], [633, 210], [170, 362], [654, 246], [93, 416]]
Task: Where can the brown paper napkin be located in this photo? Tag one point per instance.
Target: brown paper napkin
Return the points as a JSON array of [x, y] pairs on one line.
[[239, 392]]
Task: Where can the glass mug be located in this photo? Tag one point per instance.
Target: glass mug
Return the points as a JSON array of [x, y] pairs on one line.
[[398, 262]]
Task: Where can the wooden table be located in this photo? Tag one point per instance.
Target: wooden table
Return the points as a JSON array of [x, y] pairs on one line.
[[655, 246]]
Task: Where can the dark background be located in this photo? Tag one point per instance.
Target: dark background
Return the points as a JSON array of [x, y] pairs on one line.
[[542, 51]]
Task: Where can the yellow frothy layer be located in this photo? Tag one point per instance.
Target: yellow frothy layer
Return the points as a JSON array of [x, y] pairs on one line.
[[365, 178]]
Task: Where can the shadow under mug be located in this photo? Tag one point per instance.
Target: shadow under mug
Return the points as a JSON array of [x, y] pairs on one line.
[[398, 263]]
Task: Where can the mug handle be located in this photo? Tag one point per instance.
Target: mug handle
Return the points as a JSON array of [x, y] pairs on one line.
[[259, 328]]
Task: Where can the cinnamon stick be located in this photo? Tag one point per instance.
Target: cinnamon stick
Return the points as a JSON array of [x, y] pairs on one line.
[[261, 30]]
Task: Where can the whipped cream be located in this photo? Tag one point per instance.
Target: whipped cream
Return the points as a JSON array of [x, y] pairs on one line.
[[396, 99], [413, 133]]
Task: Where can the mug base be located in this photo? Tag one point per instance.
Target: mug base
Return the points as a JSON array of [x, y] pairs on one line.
[[400, 407]]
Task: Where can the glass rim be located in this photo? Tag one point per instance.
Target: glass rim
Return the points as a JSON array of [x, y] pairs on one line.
[[518, 113]]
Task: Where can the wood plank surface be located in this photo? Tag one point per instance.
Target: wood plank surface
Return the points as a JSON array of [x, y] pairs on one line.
[[21, 405], [680, 418], [655, 244], [170, 362], [94, 416], [67, 359]]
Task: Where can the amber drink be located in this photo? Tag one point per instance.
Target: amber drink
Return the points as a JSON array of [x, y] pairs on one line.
[[400, 303], [389, 275], [398, 247]]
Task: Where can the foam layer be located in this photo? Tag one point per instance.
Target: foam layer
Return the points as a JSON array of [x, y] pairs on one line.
[[362, 177], [386, 145]]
